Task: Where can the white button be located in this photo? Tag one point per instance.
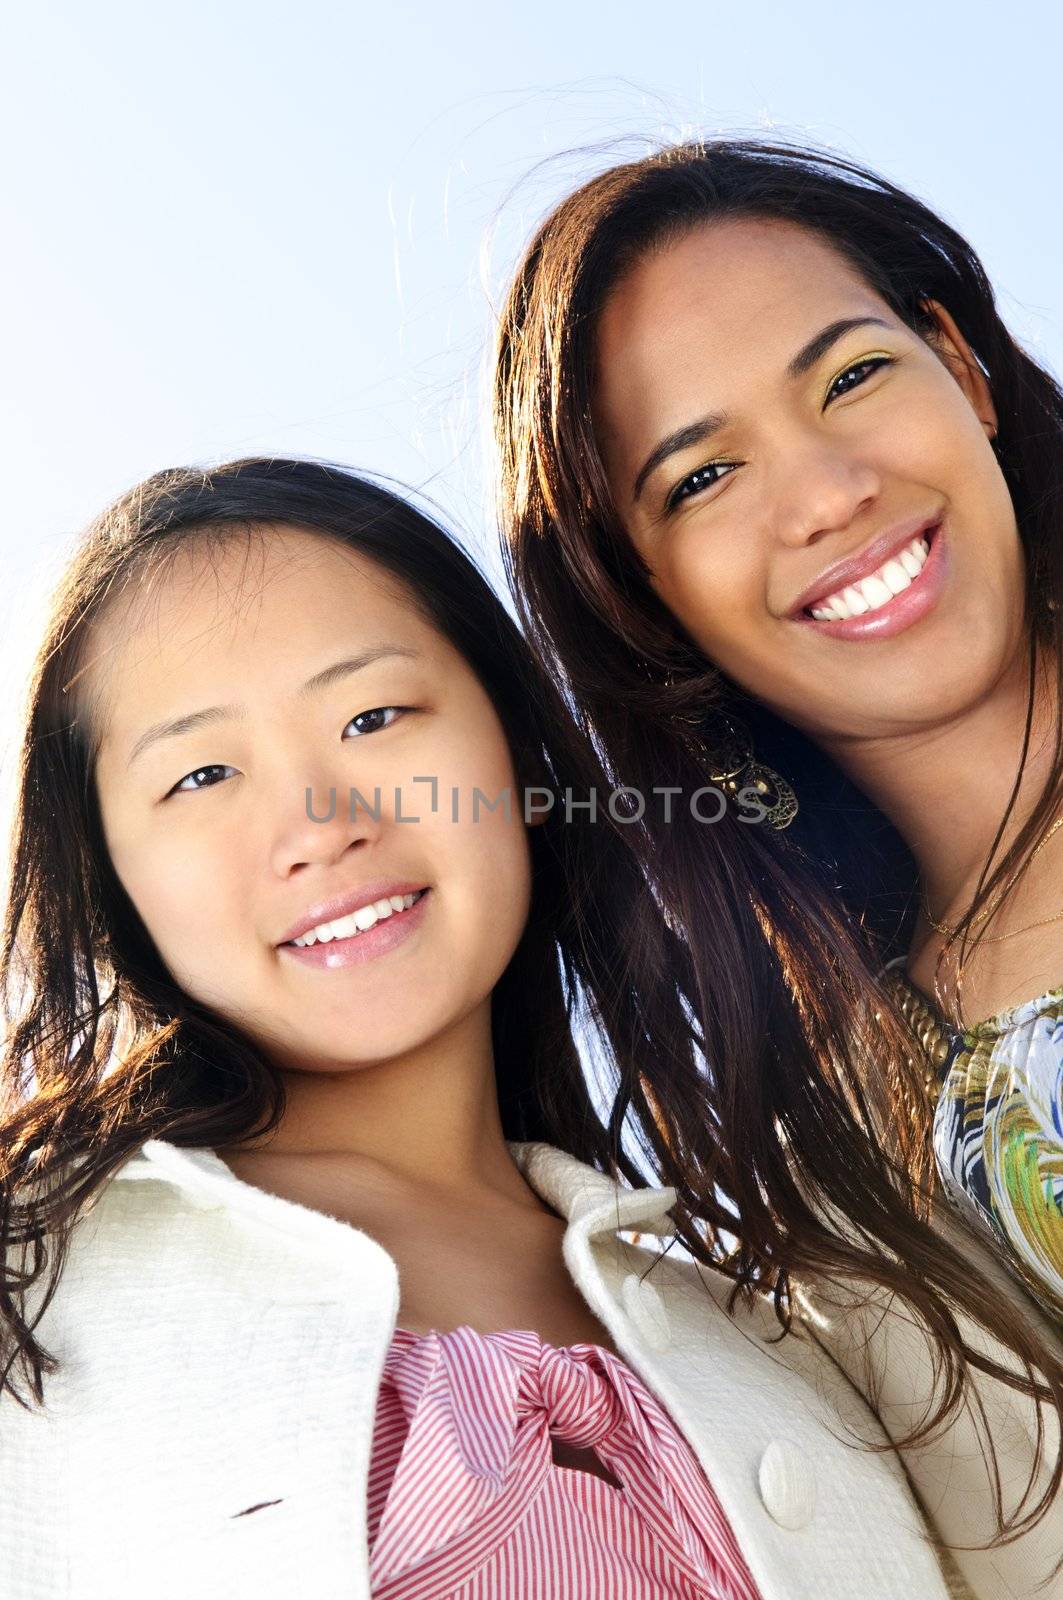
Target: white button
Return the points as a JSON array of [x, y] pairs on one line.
[[646, 1309], [787, 1485]]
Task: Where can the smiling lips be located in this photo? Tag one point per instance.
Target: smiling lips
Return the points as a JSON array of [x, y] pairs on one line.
[[902, 578], [359, 921], [360, 937], [878, 589]]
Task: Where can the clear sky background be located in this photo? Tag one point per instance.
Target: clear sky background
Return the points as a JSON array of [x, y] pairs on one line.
[[236, 227]]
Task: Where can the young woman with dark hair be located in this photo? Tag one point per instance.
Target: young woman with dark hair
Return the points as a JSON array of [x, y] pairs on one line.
[[307, 1208], [783, 506]]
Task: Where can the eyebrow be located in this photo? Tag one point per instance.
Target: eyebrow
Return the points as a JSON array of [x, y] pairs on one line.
[[174, 726], [697, 432]]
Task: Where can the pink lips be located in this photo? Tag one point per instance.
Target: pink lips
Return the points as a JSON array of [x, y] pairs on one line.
[[385, 935], [342, 905], [905, 609]]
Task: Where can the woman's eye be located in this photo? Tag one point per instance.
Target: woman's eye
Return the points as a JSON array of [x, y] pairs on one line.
[[371, 720], [177, 789], [703, 478], [857, 374]]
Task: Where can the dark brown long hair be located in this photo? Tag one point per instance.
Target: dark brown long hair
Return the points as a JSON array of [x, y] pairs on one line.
[[104, 1050], [818, 1110]]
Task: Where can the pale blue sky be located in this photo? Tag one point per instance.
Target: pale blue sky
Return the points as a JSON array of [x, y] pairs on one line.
[[237, 227]]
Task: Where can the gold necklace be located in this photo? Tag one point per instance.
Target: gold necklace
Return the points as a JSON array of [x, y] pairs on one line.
[[998, 938], [931, 1033]]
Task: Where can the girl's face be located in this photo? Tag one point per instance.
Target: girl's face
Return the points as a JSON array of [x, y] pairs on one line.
[[213, 835], [775, 436]]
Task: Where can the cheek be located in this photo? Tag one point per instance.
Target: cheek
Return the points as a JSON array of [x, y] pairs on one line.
[[719, 598], [501, 883], [928, 436], [477, 840], [187, 901], [933, 438], [929, 433]]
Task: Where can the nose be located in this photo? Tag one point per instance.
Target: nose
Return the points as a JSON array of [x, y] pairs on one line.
[[822, 489], [323, 818]]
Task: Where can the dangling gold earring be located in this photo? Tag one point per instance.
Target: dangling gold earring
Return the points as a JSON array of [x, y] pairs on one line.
[[735, 769]]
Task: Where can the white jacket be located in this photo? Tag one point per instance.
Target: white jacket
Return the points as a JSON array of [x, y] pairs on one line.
[[209, 1429]]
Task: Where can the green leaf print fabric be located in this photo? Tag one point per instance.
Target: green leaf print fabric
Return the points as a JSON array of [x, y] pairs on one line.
[[998, 1137]]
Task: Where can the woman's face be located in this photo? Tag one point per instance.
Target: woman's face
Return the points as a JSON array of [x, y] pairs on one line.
[[777, 439], [218, 844]]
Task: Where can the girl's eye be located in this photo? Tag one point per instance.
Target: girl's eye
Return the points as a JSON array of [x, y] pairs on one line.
[[177, 789], [365, 721], [703, 478], [857, 374], [371, 719]]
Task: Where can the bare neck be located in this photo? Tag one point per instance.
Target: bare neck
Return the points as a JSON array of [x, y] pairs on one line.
[[427, 1119], [946, 789], [947, 786]]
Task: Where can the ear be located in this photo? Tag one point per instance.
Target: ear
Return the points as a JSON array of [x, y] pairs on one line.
[[961, 361]]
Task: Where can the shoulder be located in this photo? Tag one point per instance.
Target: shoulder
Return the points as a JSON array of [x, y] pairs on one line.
[[148, 1256]]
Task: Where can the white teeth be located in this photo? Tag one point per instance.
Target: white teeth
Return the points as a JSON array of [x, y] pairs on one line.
[[878, 589], [875, 591], [894, 574], [357, 922]]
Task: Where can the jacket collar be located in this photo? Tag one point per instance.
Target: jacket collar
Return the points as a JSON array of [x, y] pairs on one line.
[[590, 1201]]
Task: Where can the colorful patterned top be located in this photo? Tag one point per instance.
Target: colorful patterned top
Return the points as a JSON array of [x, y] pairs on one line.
[[466, 1501], [998, 1132]]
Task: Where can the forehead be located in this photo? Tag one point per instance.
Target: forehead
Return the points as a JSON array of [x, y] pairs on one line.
[[227, 591], [723, 302], [266, 600]]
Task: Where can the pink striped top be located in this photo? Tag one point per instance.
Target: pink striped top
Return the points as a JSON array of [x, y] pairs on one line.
[[467, 1503]]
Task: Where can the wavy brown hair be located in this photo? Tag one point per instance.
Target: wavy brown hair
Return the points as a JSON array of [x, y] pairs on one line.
[[817, 1125]]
